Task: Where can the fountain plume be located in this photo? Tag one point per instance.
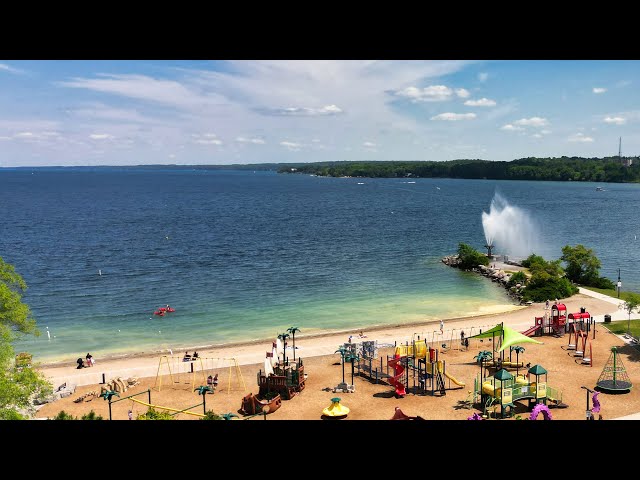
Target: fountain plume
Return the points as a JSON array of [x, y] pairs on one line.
[[510, 229]]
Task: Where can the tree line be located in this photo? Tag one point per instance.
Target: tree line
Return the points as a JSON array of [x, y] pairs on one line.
[[578, 169]]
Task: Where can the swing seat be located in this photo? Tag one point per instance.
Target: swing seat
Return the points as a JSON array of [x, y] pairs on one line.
[[571, 346], [579, 353]]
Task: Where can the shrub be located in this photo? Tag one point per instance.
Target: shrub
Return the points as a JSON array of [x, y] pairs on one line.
[[62, 415], [470, 258], [517, 277], [153, 414], [211, 416], [91, 416]]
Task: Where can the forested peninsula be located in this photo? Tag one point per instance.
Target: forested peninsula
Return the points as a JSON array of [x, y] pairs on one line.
[[578, 169]]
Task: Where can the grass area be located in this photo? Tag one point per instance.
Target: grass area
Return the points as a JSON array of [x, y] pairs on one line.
[[620, 327], [611, 293]]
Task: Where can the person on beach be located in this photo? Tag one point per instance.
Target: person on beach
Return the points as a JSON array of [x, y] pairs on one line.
[[130, 414], [187, 357], [80, 363], [195, 355], [215, 380], [89, 360], [546, 305], [441, 326]]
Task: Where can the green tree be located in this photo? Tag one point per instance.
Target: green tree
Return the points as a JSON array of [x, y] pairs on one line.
[[470, 258], [18, 384], [211, 416], [517, 277], [583, 266]]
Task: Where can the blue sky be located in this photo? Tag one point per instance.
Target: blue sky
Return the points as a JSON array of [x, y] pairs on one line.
[[220, 112]]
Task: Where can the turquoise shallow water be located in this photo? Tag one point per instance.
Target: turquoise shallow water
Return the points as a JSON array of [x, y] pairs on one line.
[[245, 255]]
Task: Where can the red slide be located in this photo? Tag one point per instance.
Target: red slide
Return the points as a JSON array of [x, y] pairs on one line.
[[529, 332], [399, 370]]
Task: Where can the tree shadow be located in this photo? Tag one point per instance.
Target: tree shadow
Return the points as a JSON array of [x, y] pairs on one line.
[[385, 394]]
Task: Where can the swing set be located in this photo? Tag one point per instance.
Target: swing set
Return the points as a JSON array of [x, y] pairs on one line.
[[197, 369]]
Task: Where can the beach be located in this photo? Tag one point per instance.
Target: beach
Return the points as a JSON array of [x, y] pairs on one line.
[[322, 364]]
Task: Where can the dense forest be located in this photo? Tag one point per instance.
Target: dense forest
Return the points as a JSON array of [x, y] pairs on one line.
[[608, 169]]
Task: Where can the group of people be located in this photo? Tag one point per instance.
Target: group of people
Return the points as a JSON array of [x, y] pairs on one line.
[[87, 362], [188, 357]]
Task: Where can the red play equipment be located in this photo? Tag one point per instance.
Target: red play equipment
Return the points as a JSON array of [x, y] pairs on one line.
[[399, 370], [550, 325]]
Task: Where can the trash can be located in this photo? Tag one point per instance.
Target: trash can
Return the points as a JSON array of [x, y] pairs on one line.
[[583, 310], [607, 319]]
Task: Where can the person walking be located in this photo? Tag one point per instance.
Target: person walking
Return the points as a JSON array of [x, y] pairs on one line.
[[441, 327]]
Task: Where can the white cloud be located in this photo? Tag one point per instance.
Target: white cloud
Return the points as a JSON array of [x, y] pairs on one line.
[[7, 68], [100, 136], [454, 117], [294, 147], [141, 87], [101, 111], [433, 93], [5, 138], [369, 145], [256, 141], [24, 135], [532, 122], [615, 120], [303, 111], [536, 135], [599, 90], [315, 140], [580, 137], [510, 128], [462, 92], [483, 76], [206, 139], [483, 102], [545, 132], [172, 155]]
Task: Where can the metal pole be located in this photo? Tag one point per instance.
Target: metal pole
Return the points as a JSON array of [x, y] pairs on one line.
[[204, 402], [149, 392], [110, 409]]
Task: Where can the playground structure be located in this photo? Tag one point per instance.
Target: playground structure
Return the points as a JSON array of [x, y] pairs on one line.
[[553, 324], [503, 337], [559, 323], [503, 389], [282, 377], [418, 364], [196, 371], [252, 405], [614, 377], [336, 410], [579, 344]]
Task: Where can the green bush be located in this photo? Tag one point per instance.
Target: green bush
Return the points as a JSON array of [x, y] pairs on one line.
[[153, 414], [10, 414], [211, 416], [604, 283], [91, 416], [517, 277], [62, 415], [540, 289], [470, 258]]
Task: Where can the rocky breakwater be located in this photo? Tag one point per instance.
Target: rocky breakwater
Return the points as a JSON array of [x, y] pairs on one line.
[[495, 273]]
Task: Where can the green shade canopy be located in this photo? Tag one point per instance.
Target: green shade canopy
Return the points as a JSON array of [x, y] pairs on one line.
[[537, 370], [503, 375], [492, 332], [510, 336]]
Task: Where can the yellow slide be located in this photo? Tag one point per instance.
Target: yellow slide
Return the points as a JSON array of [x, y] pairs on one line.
[[454, 380]]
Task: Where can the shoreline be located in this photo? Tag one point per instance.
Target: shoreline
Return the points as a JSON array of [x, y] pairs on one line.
[[300, 337]]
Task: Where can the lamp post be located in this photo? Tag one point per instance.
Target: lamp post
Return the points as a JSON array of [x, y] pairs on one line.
[[588, 413], [619, 285]]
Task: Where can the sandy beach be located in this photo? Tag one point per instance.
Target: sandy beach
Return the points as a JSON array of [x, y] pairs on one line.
[[371, 401]]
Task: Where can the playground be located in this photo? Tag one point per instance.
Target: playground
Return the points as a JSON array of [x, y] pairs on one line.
[[373, 400]]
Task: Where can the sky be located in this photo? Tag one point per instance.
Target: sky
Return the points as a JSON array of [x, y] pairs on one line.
[[129, 112]]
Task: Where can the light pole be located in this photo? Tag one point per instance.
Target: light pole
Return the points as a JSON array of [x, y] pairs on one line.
[[619, 284]]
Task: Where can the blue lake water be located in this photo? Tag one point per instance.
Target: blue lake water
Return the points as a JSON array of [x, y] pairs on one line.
[[243, 255]]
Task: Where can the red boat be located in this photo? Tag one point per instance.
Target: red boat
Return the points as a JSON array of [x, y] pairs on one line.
[[159, 312]]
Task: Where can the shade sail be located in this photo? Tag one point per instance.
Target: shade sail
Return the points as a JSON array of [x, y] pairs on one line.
[[510, 336], [513, 337]]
